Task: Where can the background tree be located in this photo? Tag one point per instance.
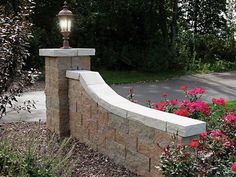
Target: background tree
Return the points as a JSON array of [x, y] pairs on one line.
[[151, 35], [14, 41]]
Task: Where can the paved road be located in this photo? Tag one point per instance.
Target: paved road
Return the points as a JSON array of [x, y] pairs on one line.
[[35, 115], [216, 85]]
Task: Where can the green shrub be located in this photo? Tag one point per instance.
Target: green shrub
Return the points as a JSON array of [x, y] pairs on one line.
[[32, 158], [213, 153]]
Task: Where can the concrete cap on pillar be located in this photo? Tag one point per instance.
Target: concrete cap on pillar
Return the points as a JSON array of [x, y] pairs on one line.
[[73, 52]]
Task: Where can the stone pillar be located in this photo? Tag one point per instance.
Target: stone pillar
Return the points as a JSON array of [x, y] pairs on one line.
[[57, 61]]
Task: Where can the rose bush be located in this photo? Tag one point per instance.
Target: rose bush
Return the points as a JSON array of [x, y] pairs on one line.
[[213, 153]]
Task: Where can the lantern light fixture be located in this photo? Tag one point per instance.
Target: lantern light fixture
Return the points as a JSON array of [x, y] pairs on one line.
[[65, 20]]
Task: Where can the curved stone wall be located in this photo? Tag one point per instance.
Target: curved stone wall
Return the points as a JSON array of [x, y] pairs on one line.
[[125, 131]]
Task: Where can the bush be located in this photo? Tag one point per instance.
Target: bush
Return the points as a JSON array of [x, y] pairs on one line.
[[14, 42], [213, 153], [34, 158]]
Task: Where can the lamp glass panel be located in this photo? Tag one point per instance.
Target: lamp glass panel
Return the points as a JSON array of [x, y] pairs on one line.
[[69, 25], [63, 24]]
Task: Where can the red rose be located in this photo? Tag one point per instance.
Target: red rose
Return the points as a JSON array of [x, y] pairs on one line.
[[199, 106], [196, 91], [183, 87], [161, 106], [182, 112], [174, 102], [203, 135], [164, 94], [193, 144], [230, 118], [234, 166], [227, 144], [155, 105], [184, 103], [219, 101]]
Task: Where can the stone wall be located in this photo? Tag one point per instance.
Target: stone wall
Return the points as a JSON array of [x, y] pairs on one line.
[[126, 132], [79, 103], [57, 61]]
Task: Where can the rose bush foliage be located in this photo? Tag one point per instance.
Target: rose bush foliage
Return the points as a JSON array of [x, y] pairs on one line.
[[213, 153]]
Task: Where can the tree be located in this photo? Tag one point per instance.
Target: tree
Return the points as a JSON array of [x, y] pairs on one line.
[[149, 35], [14, 36], [204, 24]]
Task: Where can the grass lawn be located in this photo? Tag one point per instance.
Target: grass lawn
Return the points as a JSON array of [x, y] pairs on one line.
[[122, 77], [231, 105]]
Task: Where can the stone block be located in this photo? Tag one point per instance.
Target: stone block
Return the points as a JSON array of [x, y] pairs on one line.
[[93, 129], [94, 110], [146, 148], [49, 121], [75, 118], [141, 130], [83, 63], [85, 120], [113, 104], [86, 100], [110, 133], [74, 94], [57, 103], [137, 161], [119, 123], [72, 105], [115, 151], [77, 132], [64, 63], [164, 138], [85, 133], [73, 52], [101, 139], [130, 141], [150, 147], [60, 121], [90, 78], [102, 119]]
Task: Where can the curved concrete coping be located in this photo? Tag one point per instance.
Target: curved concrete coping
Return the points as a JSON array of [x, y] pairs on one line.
[[72, 52], [101, 93]]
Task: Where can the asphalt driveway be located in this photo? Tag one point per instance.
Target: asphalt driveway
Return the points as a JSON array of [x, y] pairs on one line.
[[216, 85]]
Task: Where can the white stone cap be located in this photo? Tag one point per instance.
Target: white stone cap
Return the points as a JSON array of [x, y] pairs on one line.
[[72, 52], [101, 93]]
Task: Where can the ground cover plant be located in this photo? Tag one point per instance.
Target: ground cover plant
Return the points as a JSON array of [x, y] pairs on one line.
[[30, 150], [32, 155], [213, 153]]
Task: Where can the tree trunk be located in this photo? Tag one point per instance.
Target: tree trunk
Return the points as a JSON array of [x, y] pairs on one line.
[[174, 26], [195, 30], [163, 22]]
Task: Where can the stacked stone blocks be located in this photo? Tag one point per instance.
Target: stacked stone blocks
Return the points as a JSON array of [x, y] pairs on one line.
[[83, 106], [128, 142], [56, 90]]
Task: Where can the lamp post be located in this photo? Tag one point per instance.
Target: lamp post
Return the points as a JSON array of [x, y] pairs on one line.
[[65, 19]]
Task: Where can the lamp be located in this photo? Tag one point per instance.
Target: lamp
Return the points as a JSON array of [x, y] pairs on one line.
[[65, 19]]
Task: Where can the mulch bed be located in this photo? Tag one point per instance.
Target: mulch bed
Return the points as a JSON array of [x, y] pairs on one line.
[[90, 163]]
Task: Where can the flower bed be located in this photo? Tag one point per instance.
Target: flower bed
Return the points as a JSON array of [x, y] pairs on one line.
[[213, 153]]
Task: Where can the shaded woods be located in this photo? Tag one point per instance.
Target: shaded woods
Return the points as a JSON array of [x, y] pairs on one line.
[[151, 35]]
